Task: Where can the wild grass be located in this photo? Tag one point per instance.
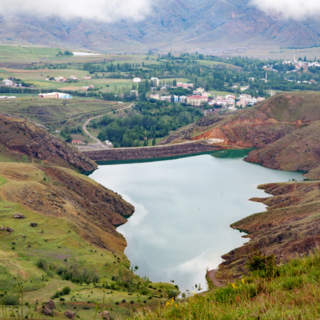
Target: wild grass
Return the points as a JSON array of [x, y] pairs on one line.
[[290, 291]]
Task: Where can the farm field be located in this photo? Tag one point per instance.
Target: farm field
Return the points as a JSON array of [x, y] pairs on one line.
[[56, 112]]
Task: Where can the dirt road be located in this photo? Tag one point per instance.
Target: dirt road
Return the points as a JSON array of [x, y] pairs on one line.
[[212, 276], [98, 142]]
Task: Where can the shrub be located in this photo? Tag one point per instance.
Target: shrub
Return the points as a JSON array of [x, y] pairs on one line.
[[10, 300], [145, 292], [261, 262], [62, 299], [56, 295], [292, 283], [172, 293], [42, 264], [66, 290]]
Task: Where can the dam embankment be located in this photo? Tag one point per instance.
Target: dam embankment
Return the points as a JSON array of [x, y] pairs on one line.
[[122, 154]]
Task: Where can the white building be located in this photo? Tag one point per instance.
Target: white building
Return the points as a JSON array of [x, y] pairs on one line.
[[108, 143], [136, 80], [8, 83], [155, 82]]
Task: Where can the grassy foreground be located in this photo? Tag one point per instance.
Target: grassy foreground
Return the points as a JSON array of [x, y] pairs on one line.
[[290, 291]]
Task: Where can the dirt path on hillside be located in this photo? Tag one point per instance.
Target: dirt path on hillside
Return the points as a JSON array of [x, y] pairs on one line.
[[212, 276], [98, 142]]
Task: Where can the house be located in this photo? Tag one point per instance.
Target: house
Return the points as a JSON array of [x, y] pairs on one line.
[[91, 86], [244, 88], [52, 95], [87, 78], [136, 80], [165, 98], [77, 142], [197, 100], [73, 78], [8, 83], [241, 104], [155, 96], [251, 79], [175, 98], [55, 95], [134, 93], [185, 85], [182, 98], [201, 90], [85, 88], [222, 102], [109, 143], [252, 102], [155, 82]]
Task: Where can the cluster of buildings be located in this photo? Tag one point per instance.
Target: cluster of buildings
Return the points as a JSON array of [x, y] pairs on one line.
[[10, 82], [55, 95], [86, 88], [170, 98], [246, 100], [64, 79], [301, 64], [201, 97]]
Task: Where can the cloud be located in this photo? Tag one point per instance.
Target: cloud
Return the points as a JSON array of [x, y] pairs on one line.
[[295, 9], [103, 10]]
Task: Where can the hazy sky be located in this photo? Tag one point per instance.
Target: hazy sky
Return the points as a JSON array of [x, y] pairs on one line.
[[296, 9], [105, 10], [114, 10]]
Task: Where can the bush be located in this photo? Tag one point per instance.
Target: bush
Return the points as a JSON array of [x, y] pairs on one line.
[[42, 264], [56, 295], [261, 262], [292, 283], [172, 293], [66, 290], [10, 300], [62, 299], [145, 292]]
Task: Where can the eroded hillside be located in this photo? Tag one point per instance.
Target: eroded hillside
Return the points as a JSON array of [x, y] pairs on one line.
[[289, 228], [20, 137]]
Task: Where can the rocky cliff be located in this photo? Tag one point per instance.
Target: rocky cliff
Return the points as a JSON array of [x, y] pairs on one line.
[[22, 137]]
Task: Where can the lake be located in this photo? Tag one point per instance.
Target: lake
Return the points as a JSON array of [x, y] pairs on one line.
[[183, 210]]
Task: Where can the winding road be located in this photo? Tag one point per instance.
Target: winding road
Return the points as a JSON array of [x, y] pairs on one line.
[[98, 142]]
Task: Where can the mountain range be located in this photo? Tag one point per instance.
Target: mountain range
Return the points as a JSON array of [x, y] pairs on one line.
[[173, 24]]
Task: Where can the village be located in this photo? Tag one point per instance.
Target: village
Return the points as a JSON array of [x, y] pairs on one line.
[[199, 97]]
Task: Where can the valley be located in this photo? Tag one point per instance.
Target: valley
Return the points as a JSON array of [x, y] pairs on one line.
[[60, 228]]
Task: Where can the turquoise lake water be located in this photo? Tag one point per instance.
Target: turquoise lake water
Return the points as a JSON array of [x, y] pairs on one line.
[[183, 210]]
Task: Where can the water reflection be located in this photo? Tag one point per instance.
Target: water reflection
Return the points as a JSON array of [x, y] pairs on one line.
[[184, 208]]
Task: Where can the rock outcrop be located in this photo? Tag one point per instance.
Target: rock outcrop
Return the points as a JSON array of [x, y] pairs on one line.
[[69, 314], [18, 216]]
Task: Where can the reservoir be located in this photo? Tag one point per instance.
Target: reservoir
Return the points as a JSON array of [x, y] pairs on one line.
[[183, 210]]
